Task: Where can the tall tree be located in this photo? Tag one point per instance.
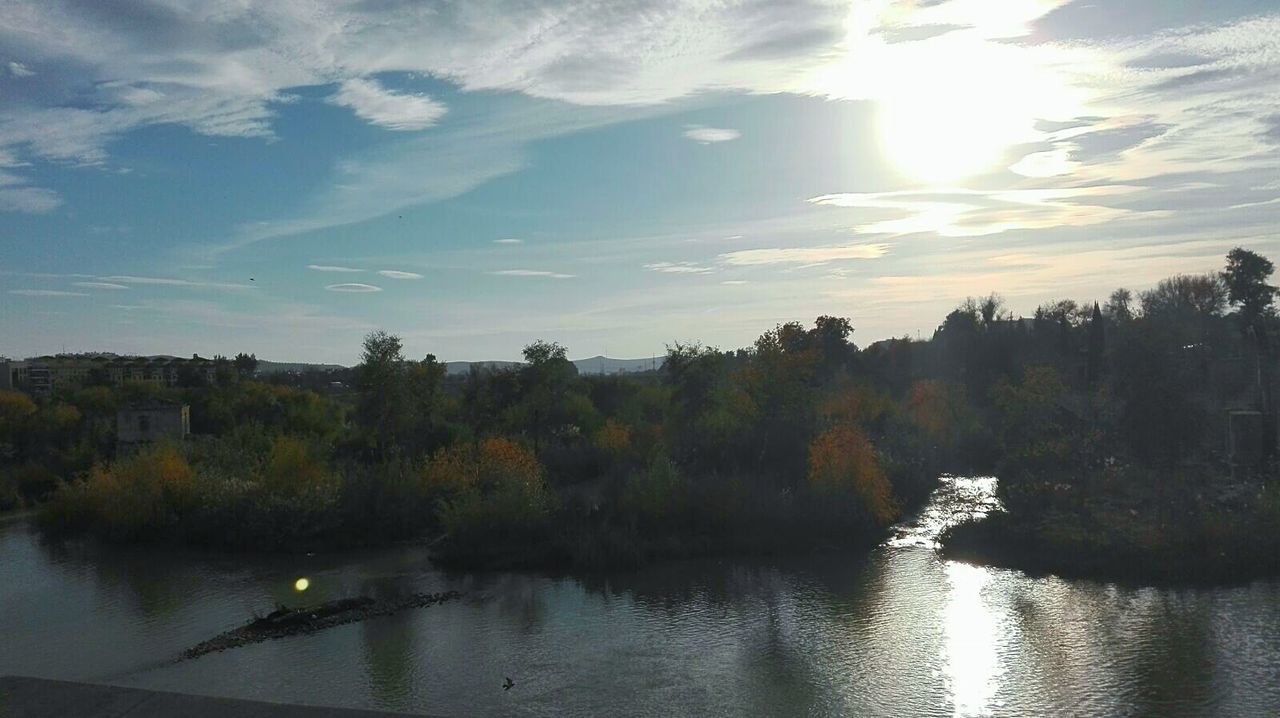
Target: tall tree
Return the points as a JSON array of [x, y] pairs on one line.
[[382, 409], [1246, 281]]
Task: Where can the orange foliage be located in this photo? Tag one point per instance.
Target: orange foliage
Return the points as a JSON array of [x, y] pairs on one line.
[[495, 463], [614, 438], [843, 457]]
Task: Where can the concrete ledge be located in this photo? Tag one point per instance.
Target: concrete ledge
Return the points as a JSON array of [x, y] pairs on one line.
[[41, 698]]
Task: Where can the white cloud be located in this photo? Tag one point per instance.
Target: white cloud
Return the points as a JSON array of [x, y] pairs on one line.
[[100, 285], [734, 282], [17, 69], [29, 200], [804, 255], [708, 135], [395, 274], [678, 268], [45, 293], [508, 240], [531, 273], [237, 59], [331, 268], [353, 288], [380, 106]]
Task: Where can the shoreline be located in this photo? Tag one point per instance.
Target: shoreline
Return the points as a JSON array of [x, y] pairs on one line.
[[998, 541]]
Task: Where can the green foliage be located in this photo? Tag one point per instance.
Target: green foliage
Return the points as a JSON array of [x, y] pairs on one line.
[[799, 440]]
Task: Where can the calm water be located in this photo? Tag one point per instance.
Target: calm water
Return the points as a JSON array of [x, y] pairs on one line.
[[894, 633]]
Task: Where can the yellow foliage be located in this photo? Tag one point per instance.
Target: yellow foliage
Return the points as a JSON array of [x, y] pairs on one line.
[[614, 437], [145, 491], [14, 407], [843, 457], [292, 470]]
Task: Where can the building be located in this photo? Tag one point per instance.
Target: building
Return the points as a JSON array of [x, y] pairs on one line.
[[146, 422], [44, 375]]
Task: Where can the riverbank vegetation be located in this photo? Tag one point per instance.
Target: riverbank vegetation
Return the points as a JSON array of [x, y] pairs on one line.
[[1137, 438], [1134, 436], [788, 445]]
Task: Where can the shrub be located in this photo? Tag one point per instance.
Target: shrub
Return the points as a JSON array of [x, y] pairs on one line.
[[144, 496], [493, 495], [843, 460], [293, 470]]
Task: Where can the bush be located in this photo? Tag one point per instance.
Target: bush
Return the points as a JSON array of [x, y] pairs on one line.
[[144, 496], [493, 500], [843, 461]]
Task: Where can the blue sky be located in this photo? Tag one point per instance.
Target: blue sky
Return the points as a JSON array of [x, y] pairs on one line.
[[282, 177]]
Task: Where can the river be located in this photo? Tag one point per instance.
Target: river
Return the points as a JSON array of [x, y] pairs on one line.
[[896, 632]]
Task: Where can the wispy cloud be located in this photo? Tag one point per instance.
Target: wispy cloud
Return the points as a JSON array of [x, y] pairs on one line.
[[395, 111], [734, 282], [353, 288], [332, 268], [396, 274], [29, 200], [973, 213], [531, 273], [508, 240], [171, 282], [17, 69], [100, 285], [804, 255], [709, 135], [46, 293], [678, 268]]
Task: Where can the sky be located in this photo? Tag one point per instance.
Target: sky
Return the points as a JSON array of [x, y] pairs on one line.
[[283, 176]]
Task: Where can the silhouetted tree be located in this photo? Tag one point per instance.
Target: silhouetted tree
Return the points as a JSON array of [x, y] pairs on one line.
[[246, 365]]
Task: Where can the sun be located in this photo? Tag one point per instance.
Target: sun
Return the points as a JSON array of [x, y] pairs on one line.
[[952, 110]]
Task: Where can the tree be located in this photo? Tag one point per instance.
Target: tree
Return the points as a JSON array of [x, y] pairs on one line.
[[545, 382], [382, 409], [1097, 345], [992, 309], [426, 391], [1246, 282], [1186, 295], [246, 365], [1120, 305]]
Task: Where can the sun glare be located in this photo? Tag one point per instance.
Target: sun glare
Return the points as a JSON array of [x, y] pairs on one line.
[[951, 110], [954, 106], [301, 585]]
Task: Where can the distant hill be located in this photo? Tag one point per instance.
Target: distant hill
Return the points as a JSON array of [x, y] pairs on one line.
[[279, 367], [592, 365], [605, 365]]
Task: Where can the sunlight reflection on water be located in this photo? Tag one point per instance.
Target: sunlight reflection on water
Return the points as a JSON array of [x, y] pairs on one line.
[[972, 629]]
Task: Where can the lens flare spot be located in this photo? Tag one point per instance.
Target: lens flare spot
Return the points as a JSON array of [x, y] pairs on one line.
[[301, 584]]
